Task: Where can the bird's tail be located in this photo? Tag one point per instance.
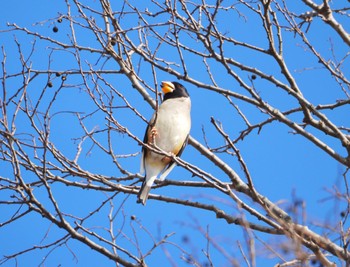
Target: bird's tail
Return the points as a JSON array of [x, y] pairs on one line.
[[144, 190], [143, 194]]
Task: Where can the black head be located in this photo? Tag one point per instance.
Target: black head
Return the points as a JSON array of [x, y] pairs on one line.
[[173, 90]]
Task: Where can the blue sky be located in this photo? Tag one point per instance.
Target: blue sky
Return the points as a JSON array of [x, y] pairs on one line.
[[283, 165]]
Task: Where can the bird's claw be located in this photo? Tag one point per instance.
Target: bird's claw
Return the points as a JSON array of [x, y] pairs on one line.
[[152, 135]]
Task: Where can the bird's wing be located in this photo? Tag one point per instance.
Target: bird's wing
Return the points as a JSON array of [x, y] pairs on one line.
[[145, 141], [172, 164], [183, 147]]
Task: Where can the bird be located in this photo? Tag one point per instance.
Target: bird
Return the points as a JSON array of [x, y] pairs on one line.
[[168, 130]]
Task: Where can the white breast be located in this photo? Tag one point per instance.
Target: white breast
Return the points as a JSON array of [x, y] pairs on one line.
[[173, 123]]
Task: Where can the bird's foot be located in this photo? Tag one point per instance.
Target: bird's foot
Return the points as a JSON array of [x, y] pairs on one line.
[[152, 135], [167, 159]]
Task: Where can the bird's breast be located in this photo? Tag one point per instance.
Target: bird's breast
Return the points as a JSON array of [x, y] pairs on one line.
[[173, 124]]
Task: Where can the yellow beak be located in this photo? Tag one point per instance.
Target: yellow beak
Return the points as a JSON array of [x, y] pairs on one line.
[[167, 87]]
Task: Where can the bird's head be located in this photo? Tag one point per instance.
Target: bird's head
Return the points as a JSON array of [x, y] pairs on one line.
[[173, 90]]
